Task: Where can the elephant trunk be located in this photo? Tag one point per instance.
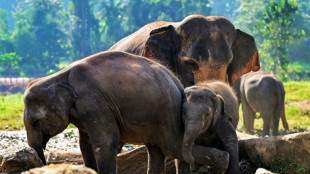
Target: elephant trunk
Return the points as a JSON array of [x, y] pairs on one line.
[[38, 143], [192, 131]]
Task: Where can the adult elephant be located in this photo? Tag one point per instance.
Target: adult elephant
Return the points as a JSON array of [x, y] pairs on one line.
[[198, 48], [115, 98], [264, 93]]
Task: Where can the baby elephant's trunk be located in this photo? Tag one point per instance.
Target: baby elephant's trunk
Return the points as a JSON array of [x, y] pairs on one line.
[[192, 130]]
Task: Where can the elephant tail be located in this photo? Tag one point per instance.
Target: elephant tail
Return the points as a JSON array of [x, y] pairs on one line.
[[281, 105]]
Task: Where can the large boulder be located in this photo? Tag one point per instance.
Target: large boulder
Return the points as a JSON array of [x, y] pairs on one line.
[[61, 169], [295, 148], [18, 160]]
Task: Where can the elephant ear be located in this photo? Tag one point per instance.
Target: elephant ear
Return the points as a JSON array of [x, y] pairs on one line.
[[245, 56], [62, 97], [220, 109], [162, 45]]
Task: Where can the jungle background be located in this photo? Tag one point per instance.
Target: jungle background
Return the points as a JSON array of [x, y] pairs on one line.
[[40, 37]]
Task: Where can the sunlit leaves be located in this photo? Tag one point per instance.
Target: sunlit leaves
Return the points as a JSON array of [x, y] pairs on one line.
[[9, 64], [277, 26]]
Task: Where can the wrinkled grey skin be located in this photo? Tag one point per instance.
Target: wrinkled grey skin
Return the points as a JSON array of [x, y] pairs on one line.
[[113, 98], [211, 116], [196, 49], [264, 93]]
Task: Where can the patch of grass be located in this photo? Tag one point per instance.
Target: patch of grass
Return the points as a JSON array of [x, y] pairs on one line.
[[298, 121], [297, 91], [282, 166], [11, 112]]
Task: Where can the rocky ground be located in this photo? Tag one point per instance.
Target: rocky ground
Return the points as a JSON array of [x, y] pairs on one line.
[[64, 148], [68, 141]]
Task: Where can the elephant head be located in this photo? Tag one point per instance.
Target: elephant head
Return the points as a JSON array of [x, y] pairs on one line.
[[203, 48], [46, 112], [201, 110]]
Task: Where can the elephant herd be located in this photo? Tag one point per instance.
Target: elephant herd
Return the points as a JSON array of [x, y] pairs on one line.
[[163, 86]]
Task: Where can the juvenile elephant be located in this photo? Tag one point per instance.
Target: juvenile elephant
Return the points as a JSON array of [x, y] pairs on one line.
[[196, 49], [264, 93], [211, 116], [115, 98]]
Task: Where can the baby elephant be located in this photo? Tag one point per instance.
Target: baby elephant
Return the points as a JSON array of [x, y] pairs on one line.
[[211, 115], [115, 98], [264, 93]]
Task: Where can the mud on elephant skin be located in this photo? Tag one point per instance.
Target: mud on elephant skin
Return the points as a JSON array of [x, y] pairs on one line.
[[211, 116], [264, 93], [197, 48], [114, 98]]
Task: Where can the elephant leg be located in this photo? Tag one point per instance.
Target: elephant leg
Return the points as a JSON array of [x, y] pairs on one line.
[[275, 124], [218, 160], [87, 151], [248, 117], [229, 141], [182, 167], [105, 149], [267, 119], [105, 138], [156, 160]]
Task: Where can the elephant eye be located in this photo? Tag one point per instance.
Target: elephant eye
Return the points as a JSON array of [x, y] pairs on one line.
[[192, 64], [35, 122]]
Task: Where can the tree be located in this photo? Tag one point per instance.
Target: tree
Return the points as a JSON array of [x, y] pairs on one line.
[[278, 29], [248, 16], [5, 41], [85, 34], [9, 64], [299, 50], [227, 8], [120, 18], [38, 35]]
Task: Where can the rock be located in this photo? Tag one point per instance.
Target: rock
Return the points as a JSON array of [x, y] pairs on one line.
[[132, 162], [63, 157], [61, 169], [244, 136], [295, 148], [18, 160], [262, 171]]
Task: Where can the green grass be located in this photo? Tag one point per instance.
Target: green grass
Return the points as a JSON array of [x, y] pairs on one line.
[[297, 119], [280, 165], [11, 112], [296, 91], [11, 109]]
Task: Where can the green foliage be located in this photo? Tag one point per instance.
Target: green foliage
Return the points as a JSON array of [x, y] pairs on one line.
[[85, 33], [298, 71], [38, 36], [49, 32], [9, 64], [278, 29], [280, 165], [120, 18], [5, 42]]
